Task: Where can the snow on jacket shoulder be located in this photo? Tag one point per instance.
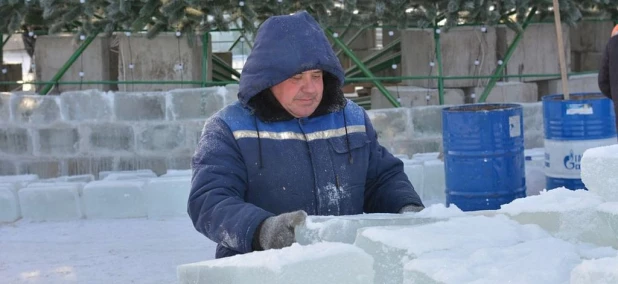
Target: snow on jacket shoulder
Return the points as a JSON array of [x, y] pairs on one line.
[[253, 162]]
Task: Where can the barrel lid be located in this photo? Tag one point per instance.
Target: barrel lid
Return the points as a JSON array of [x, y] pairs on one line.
[[482, 107], [576, 96]]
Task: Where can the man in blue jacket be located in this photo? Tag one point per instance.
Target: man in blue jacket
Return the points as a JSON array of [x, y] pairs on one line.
[[291, 146]]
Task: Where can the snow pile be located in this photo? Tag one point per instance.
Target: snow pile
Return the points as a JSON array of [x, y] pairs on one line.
[[555, 236], [602, 270], [572, 215]]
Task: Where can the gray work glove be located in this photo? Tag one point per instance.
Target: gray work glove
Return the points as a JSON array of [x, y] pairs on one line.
[[411, 208], [278, 231]]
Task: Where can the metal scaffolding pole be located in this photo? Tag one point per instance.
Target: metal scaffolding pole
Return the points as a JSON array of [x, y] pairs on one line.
[[2, 48], [68, 64], [385, 63], [507, 57], [436, 37], [354, 70], [205, 40], [360, 64], [219, 62], [353, 38]]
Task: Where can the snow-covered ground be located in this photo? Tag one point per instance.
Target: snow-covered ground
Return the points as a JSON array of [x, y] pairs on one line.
[[99, 251]]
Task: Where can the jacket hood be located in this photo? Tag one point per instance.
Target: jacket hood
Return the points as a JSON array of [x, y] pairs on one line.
[[284, 46]]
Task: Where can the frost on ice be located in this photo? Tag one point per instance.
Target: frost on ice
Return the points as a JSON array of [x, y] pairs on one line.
[[555, 236]]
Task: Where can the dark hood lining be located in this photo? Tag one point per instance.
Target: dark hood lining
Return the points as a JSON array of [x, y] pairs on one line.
[[268, 109]]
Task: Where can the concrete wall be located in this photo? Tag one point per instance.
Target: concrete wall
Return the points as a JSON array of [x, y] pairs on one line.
[[503, 92], [389, 35], [460, 48], [124, 58], [588, 40], [366, 40], [536, 53], [577, 84], [10, 73], [83, 132], [410, 96], [362, 45], [53, 51], [163, 58]]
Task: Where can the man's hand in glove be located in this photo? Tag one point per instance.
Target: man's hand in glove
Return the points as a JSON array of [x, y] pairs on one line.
[[411, 208], [278, 231]]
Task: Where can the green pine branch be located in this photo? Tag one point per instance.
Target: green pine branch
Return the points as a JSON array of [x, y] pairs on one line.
[[198, 16]]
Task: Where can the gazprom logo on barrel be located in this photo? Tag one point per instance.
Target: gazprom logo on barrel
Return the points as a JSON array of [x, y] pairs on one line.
[[572, 161]]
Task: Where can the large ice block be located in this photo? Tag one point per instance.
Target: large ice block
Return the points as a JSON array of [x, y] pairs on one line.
[[590, 251], [415, 171], [19, 180], [599, 171], [540, 261], [434, 183], [114, 199], [344, 228], [9, 203], [392, 247], [130, 176], [51, 202], [426, 156], [167, 196], [320, 263], [58, 183], [76, 178], [173, 173], [597, 271], [141, 173], [401, 156], [608, 214], [567, 214]]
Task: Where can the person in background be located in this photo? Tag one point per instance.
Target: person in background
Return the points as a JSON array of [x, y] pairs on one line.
[[291, 146], [608, 74]]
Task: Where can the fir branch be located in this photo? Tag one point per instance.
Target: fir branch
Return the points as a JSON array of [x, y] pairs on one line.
[[124, 7], [156, 29], [204, 16], [14, 23]]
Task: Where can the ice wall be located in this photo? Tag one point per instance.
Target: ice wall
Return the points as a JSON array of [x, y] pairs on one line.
[[86, 132]]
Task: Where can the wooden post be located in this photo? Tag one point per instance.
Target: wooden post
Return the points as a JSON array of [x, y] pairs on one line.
[[563, 72]]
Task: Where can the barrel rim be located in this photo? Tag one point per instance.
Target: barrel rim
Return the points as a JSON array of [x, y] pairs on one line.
[[575, 97], [472, 108]]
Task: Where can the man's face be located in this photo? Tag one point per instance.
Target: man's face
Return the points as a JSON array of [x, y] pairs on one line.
[[301, 94]]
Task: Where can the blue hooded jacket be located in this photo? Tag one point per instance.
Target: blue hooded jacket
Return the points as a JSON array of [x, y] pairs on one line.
[[254, 160]]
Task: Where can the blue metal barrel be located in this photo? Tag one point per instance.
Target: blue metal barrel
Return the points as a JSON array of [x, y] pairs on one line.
[[586, 120], [483, 155]]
